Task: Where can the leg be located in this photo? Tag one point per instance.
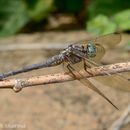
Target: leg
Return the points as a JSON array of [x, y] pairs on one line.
[[71, 69], [87, 66]]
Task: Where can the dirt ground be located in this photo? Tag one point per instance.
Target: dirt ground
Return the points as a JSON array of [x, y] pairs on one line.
[[63, 106]]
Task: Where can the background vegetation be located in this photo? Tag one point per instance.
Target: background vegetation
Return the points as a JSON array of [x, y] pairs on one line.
[[97, 16]]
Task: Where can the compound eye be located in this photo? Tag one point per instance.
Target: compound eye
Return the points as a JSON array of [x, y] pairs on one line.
[[91, 50]]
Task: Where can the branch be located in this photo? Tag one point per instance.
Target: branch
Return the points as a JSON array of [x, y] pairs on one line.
[[18, 84], [32, 46], [123, 120]]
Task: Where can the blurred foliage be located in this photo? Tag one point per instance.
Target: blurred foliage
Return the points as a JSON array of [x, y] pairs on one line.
[[107, 7], [12, 16], [128, 44], [122, 19], [101, 24], [108, 16], [69, 6], [38, 9], [15, 14], [103, 16]]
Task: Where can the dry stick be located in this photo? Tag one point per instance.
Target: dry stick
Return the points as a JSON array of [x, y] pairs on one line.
[[18, 84], [32, 46], [123, 119]]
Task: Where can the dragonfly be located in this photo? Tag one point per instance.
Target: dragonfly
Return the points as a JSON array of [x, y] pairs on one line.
[[79, 55]]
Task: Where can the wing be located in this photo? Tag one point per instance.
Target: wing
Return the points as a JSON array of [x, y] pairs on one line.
[[100, 52], [102, 42], [117, 81], [86, 82], [109, 40]]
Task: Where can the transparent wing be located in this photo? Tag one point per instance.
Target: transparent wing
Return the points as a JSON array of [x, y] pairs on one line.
[[101, 42], [76, 68], [100, 52], [117, 81], [109, 40]]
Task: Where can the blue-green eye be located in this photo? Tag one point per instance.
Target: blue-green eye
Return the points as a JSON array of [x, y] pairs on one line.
[[91, 50]]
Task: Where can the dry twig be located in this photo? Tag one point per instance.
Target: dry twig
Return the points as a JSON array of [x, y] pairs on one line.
[[32, 46], [18, 84], [123, 119]]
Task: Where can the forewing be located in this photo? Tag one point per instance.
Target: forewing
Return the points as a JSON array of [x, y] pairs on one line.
[[76, 68], [101, 43], [108, 41], [100, 52], [117, 81]]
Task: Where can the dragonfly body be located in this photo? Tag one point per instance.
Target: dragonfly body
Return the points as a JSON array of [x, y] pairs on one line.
[[53, 61], [90, 51], [72, 54]]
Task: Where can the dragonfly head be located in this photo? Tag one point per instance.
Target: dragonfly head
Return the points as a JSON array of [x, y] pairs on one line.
[[91, 50]]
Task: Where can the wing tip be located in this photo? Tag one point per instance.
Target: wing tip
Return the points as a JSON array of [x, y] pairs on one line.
[[119, 35]]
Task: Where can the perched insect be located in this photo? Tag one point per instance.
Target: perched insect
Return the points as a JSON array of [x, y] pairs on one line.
[[82, 55]]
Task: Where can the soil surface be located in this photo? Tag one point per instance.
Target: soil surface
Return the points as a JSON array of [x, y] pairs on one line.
[[63, 106]]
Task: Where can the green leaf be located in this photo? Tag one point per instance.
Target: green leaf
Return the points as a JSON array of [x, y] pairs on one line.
[[128, 43], [122, 19], [12, 16], [107, 7], [39, 9], [101, 25]]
